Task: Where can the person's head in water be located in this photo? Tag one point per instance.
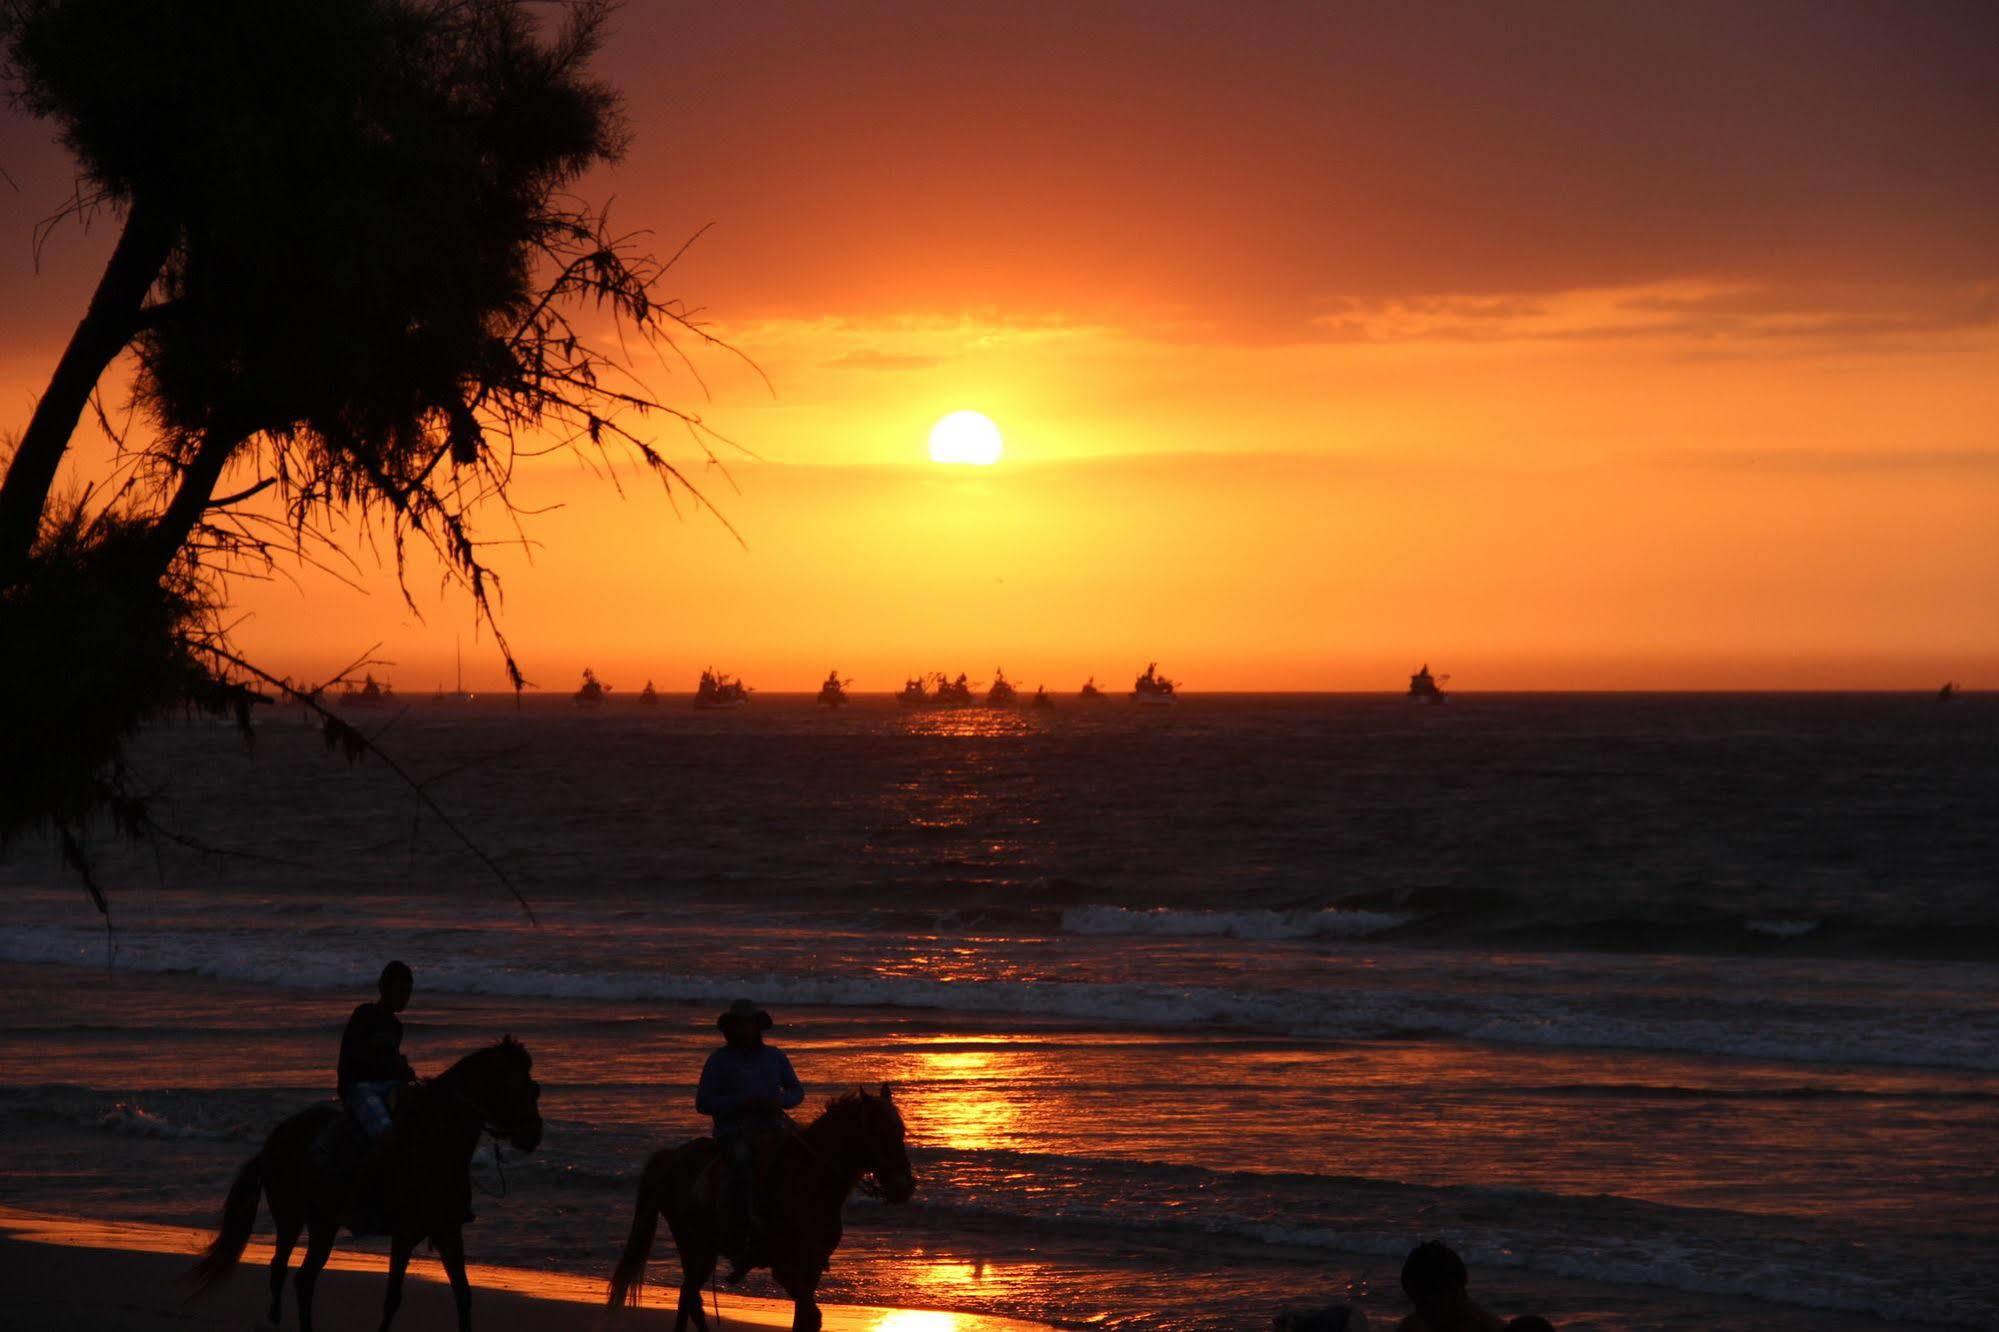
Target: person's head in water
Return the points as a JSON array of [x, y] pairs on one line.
[[743, 1023], [1434, 1279], [395, 985]]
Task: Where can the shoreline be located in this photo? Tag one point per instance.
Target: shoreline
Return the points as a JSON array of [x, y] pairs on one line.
[[59, 1273]]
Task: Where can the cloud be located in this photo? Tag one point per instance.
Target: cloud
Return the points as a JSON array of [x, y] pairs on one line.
[[1696, 310], [1839, 461], [872, 358]]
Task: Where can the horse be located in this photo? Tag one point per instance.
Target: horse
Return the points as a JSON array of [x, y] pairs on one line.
[[815, 1169], [427, 1170]]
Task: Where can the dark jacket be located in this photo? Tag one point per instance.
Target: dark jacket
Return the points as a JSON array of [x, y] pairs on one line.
[[371, 1049], [735, 1076]]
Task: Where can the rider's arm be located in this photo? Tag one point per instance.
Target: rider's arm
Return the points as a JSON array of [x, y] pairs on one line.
[[789, 1090]]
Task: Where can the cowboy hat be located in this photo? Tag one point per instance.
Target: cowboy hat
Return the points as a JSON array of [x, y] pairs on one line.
[[743, 1011]]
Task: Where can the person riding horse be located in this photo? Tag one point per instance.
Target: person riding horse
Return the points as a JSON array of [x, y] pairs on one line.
[[371, 1075], [372, 1068], [746, 1086]]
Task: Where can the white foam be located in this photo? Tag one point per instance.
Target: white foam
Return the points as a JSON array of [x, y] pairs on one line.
[[133, 1121], [1305, 924], [1786, 1031], [1782, 929]]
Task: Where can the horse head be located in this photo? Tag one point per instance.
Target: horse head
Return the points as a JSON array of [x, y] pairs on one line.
[[500, 1086], [884, 1148]]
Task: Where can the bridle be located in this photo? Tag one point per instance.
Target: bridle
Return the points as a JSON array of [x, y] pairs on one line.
[[489, 1125]]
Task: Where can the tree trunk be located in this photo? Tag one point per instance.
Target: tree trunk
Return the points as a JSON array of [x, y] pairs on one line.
[[197, 485], [108, 324]]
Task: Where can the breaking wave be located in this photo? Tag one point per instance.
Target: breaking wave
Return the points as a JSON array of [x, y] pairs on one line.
[[1329, 923]]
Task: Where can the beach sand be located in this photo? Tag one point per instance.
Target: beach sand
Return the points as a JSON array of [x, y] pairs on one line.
[[58, 1274]]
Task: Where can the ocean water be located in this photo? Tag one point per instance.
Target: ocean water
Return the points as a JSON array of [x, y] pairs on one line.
[[1666, 1011]]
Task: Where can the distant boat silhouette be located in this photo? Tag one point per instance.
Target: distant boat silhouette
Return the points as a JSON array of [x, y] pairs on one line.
[[720, 691], [833, 693], [592, 693], [649, 696], [953, 693], [1001, 695], [1041, 698], [913, 694], [1425, 687], [1949, 692], [369, 695], [1152, 688], [1089, 693], [457, 692]]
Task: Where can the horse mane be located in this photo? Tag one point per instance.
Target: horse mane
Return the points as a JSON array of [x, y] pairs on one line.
[[505, 1046], [846, 1102]]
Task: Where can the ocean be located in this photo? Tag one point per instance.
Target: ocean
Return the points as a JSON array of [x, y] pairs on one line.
[[1666, 1011]]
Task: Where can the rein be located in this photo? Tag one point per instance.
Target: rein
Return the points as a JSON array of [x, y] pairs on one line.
[[487, 1126]]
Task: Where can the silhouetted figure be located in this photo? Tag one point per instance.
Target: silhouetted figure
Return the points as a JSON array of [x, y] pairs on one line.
[[372, 1069], [371, 1077], [440, 1123], [1434, 1279], [746, 1086]]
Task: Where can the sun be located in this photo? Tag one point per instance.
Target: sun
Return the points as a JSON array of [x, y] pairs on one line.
[[965, 437]]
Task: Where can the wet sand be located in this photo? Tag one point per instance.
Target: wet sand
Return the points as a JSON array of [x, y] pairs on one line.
[[58, 1274]]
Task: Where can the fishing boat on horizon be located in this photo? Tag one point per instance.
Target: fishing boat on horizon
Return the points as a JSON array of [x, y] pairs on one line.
[[1152, 688], [1427, 688], [1949, 692], [1089, 693], [953, 693], [369, 695], [592, 693], [913, 694], [1002, 693], [833, 693], [717, 690], [649, 697], [1042, 700]]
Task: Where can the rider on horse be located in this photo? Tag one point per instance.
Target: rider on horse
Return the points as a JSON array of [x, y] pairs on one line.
[[746, 1086], [372, 1067]]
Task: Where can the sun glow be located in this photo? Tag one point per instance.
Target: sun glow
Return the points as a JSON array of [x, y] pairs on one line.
[[965, 437]]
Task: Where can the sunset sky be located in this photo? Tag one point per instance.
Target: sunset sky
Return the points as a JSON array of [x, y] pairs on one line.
[[1559, 345]]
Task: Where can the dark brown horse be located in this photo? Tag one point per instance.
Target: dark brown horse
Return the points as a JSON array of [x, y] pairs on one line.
[[427, 1172], [814, 1170]]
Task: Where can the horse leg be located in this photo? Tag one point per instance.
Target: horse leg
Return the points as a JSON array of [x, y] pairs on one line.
[[399, 1261], [450, 1245], [288, 1228], [803, 1287], [319, 1235], [696, 1264], [694, 1236]]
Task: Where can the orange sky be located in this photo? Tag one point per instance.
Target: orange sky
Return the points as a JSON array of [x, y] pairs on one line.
[[1569, 346]]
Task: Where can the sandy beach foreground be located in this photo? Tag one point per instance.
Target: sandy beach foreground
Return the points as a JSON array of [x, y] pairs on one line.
[[58, 1274]]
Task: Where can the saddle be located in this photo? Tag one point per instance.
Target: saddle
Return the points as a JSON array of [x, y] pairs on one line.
[[342, 1150], [765, 1196]]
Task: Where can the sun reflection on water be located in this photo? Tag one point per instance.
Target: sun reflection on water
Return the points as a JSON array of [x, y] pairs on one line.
[[965, 1108], [919, 1320]]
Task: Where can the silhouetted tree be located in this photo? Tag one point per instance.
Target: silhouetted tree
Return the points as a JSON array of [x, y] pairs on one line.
[[349, 268]]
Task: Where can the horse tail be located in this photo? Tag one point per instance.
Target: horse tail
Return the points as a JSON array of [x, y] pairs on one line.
[[628, 1278], [239, 1213]]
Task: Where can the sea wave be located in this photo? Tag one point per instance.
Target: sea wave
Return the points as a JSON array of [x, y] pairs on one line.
[[131, 1120], [1598, 1238], [1327, 923]]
